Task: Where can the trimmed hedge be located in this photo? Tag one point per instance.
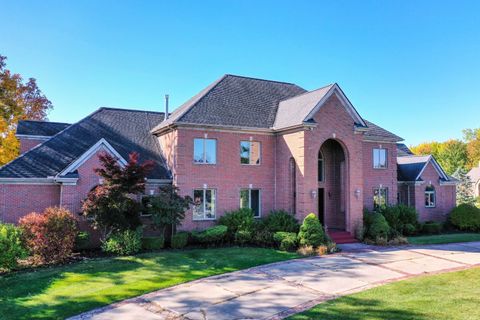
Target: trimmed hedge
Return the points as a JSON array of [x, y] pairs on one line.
[[179, 240], [281, 220], [466, 217], [124, 242], [243, 237], [11, 247], [375, 225], [286, 241], [241, 219], [153, 243], [432, 227], [311, 232], [401, 219], [210, 235]]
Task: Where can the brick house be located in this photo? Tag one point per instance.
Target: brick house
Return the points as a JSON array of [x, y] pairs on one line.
[[240, 142]]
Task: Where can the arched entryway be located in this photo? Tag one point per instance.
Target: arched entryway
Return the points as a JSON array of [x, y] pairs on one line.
[[332, 185]]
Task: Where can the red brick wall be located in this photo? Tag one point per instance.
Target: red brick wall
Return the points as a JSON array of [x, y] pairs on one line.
[[27, 144], [374, 177], [445, 197], [17, 200]]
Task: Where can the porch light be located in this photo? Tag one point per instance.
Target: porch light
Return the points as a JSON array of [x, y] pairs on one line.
[[357, 193], [314, 194]]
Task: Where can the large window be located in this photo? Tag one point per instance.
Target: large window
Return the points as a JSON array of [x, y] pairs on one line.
[[204, 204], [430, 197], [380, 198], [250, 198], [249, 152], [379, 158], [205, 151], [321, 168]]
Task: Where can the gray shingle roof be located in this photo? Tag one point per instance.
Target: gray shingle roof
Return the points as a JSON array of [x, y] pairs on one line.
[[377, 132], [235, 101], [40, 128], [403, 150], [124, 130], [409, 167]]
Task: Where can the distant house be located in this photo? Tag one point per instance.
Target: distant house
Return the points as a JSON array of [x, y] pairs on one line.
[[240, 142], [474, 175]]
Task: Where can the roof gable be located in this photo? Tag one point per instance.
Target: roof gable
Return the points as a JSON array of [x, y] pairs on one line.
[[411, 168], [39, 128]]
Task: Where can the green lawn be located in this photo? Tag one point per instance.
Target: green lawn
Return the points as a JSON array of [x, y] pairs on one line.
[[450, 296], [58, 292], [445, 238]]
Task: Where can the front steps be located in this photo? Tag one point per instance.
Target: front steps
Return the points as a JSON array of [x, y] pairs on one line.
[[341, 237]]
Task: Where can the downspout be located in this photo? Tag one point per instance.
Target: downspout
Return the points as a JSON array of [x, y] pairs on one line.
[[275, 175], [408, 195], [61, 194]]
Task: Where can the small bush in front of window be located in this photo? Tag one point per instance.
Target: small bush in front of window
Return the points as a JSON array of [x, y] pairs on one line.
[[242, 237], [286, 241], [11, 247], [212, 235], [375, 226], [281, 220], [179, 240], [153, 243], [466, 217], [241, 219], [261, 236], [311, 232], [432, 227], [398, 217], [124, 242]]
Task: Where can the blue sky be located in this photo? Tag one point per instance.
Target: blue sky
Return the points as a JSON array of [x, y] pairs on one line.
[[413, 67]]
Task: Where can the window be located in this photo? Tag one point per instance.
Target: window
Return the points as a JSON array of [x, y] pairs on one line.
[[204, 204], [249, 152], [250, 198], [379, 158], [380, 198], [205, 151], [321, 170], [430, 197]]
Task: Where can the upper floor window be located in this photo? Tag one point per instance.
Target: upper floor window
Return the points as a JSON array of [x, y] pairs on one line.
[[249, 152], [204, 204], [250, 198], [379, 158], [204, 151], [430, 197], [380, 198], [321, 167]]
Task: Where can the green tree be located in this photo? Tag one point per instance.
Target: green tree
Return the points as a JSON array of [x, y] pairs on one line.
[[452, 154], [111, 205], [472, 137], [19, 100], [464, 188]]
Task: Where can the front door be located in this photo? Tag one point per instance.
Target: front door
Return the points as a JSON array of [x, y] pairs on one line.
[[321, 205]]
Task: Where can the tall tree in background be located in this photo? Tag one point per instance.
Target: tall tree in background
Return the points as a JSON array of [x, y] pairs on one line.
[[472, 137], [18, 101], [464, 188], [451, 154]]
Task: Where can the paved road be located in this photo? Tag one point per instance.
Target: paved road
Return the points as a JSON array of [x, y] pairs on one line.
[[277, 290]]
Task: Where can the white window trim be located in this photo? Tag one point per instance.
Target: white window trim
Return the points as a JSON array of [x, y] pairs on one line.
[[204, 190], [430, 193], [250, 200], [205, 151], [250, 153], [386, 158]]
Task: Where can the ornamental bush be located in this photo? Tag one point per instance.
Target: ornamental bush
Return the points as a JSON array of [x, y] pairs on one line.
[[432, 227], [466, 217], [124, 242], [398, 217], [82, 240], [50, 236], [179, 240], [153, 243], [11, 247], [241, 219], [375, 226], [311, 232], [286, 241], [242, 237], [261, 236], [281, 220], [212, 235]]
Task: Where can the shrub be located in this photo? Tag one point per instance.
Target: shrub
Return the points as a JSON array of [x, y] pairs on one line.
[[179, 240], [124, 242], [261, 236], [409, 229], [153, 243], [210, 235], [398, 217], [432, 227], [311, 232], [466, 217], [241, 219], [375, 225], [306, 251], [286, 241], [243, 237], [281, 220], [82, 240], [11, 247], [49, 236]]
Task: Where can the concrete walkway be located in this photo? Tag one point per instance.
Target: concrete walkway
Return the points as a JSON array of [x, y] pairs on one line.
[[280, 289]]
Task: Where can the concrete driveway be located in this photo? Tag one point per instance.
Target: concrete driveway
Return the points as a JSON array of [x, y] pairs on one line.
[[280, 289]]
